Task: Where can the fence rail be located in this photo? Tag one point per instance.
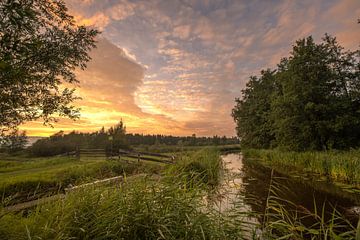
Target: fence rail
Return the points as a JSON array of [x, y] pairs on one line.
[[161, 158], [86, 154]]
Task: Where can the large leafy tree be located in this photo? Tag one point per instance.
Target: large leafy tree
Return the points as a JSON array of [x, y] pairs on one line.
[[311, 101], [316, 106], [251, 113], [300, 109], [40, 47]]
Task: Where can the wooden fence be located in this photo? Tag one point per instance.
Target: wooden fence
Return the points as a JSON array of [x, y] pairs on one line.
[[146, 156], [91, 154], [94, 154]]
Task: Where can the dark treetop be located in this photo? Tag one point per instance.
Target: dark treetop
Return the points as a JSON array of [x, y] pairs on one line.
[[40, 47]]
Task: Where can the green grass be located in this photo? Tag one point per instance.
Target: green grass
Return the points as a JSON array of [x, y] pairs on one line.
[[33, 178], [204, 165], [171, 207], [138, 209], [282, 221], [339, 166]]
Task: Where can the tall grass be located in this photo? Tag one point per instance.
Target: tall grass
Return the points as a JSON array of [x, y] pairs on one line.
[[336, 165], [141, 209], [32, 183], [171, 207], [283, 219], [203, 165]]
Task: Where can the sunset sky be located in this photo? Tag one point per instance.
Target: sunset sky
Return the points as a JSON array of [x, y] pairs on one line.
[[175, 67]]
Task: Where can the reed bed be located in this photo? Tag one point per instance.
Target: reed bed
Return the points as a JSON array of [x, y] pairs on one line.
[[284, 219], [171, 207], [50, 176], [144, 208], [204, 166], [341, 166]]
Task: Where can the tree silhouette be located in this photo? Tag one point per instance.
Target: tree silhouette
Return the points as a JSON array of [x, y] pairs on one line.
[[40, 47]]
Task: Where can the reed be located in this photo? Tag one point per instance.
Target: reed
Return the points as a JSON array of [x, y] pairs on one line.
[[283, 219], [203, 165], [49, 176], [341, 166], [138, 209]]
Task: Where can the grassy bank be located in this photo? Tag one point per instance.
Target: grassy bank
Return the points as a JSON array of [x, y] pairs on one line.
[[170, 207], [27, 179], [145, 208], [335, 165], [203, 166], [136, 210]]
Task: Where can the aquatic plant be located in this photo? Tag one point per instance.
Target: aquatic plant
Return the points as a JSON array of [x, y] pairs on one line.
[[139, 209], [342, 166], [204, 165], [283, 219]]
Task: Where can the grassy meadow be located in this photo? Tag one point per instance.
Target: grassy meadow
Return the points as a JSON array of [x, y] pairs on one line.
[[24, 178], [169, 208]]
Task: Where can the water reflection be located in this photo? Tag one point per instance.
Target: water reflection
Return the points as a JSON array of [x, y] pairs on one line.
[[248, 182]]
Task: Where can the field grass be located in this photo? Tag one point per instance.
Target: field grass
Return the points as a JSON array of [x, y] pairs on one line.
[[279, 222], [203, 165], [137, 210], [143, 208], [335, 165], [29, 178], [169, 207]]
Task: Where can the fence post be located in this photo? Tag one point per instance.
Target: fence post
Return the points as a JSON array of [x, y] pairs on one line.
[[77, 153]]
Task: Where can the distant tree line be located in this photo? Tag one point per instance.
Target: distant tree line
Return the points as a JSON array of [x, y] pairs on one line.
[[111, 139], [115, 138], [311, 101], [140, 139]]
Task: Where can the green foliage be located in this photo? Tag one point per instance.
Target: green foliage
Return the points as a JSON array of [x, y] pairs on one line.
[[251, 114], [163, 140], [310, 102], [40, 46]]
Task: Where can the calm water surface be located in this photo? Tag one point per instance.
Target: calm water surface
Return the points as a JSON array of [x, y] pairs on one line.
[[250, 181]]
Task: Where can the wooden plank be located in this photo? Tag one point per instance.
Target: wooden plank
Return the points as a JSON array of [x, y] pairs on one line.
[[93, 155], [25, 205], [146, 153], [107, 180], [148, 159], [21, 206], [91, 149], [155, 154]]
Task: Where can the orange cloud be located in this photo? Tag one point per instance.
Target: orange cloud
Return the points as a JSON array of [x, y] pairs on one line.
[[107, 88]]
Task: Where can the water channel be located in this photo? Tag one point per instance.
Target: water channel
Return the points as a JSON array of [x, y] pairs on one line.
[[250, 181]]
